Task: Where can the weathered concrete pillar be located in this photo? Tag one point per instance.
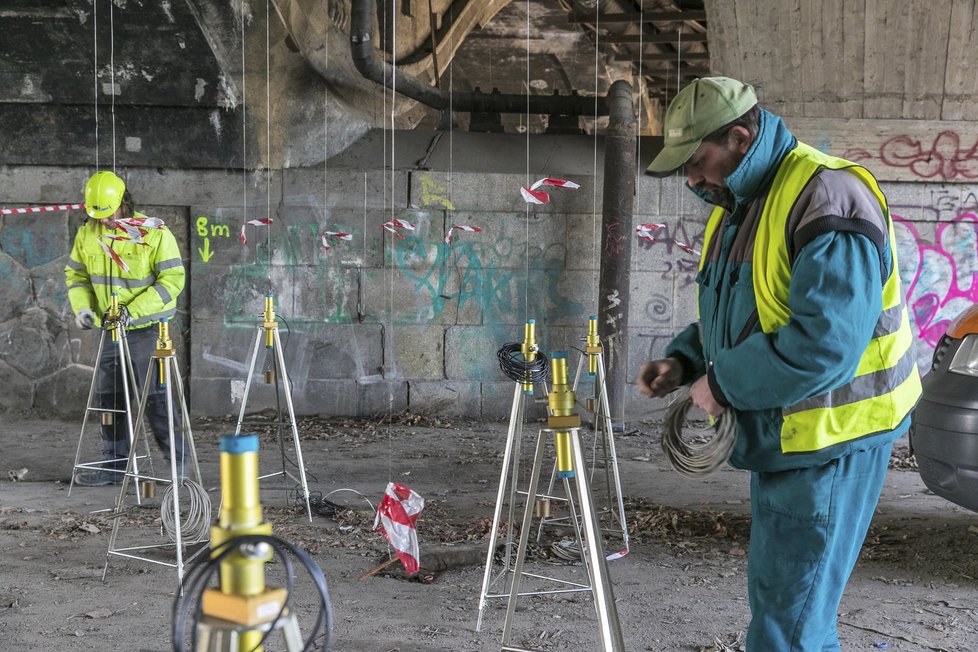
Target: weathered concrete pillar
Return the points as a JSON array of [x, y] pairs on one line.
[[616, 241]]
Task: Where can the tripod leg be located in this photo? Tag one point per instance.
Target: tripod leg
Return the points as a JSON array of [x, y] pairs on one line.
[[604, 599], [524, 540], [131, 466], [500, 493], [251, 374], [188, 437], [295, 431], [88, 408], [616, 475]]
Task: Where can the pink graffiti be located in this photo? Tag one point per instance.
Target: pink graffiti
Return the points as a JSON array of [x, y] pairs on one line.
[[945, 157], [940, 280]]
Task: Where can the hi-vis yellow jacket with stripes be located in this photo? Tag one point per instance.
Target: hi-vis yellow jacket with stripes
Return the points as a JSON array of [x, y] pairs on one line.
[[887, 384], [150, 288]]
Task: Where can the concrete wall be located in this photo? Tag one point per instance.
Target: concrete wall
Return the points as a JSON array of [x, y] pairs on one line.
[[410, 323]]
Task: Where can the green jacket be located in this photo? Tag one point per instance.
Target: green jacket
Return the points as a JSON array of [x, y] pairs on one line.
[[150, 288], [837, 237]]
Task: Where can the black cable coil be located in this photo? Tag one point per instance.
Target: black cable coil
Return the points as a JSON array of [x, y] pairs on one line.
[[516, 368], [201, 574]]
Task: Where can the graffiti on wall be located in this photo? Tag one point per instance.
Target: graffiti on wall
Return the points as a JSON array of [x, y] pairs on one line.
[[945, 157], [487, 272], [938, 257], [939, 276]]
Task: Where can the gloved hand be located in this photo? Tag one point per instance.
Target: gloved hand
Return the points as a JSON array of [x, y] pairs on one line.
[[85, 319], [123, 319]]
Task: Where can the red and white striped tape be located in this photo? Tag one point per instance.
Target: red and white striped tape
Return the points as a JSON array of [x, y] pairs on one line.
[[645, 231], [534, 196], [460, 227], [111, 253], [685, 247], [396, 519], [135, 228], [339, 235], [41, 209], [398, 224], [262, 221]]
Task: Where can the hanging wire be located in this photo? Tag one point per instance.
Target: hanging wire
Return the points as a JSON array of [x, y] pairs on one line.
[[526, 272], [112, 73], [95, 71], [640, 95], [268, 139], [595, 259], [244, 127], [680, 227], [390, 309]]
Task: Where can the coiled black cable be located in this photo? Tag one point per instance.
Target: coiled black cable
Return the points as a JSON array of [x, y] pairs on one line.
[[203, 571], [517, 368], [696, 460]]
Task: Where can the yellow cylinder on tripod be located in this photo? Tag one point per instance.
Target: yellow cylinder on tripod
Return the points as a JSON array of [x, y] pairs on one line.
[[593, 345], [270, 322], [242, 571], [561, 402], [113, 314], [529, 349]]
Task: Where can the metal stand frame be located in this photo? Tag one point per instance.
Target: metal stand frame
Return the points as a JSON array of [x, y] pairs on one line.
[[167, 363], [603, 435], [129, 390], [281, 376], [588, 534], [218, 635], [509, 475]]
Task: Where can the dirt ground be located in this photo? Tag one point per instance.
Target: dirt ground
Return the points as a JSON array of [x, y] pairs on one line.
[[681, 587]]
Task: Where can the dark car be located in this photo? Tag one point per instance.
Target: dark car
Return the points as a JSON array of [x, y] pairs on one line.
[[944, 436]]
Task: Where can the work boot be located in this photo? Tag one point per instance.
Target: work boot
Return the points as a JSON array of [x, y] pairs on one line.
[[98, 478]]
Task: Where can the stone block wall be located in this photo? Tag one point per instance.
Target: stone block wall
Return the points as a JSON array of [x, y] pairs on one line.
[[383, 322]]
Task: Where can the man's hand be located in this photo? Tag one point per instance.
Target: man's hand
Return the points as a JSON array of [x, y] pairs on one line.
[[85, 319], [703, 398], [659, 377]]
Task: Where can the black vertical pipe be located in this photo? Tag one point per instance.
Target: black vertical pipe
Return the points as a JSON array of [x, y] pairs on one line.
[[616, 241]]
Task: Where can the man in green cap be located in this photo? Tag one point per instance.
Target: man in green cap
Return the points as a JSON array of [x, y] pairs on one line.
[[803, 333]]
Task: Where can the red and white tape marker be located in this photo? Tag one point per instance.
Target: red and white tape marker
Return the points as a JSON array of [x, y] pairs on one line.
[[460, 227], [534, 196], [110, 252], [41, 209], [685, 247], [262, 221], [134, 228], [339, 235], [645, 231], [398, 224]]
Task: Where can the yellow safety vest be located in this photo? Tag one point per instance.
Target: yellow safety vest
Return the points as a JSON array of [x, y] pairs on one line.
[[887, 384]]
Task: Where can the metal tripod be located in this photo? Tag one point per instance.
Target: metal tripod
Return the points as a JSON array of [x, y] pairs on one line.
[[564, 424], [217, 635], [508, 479], [603, 436], [165, 361], [108, 415], [268, 328]]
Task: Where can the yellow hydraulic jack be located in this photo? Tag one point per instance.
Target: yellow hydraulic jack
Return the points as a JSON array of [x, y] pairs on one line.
[[608, 493], [237, 616]]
